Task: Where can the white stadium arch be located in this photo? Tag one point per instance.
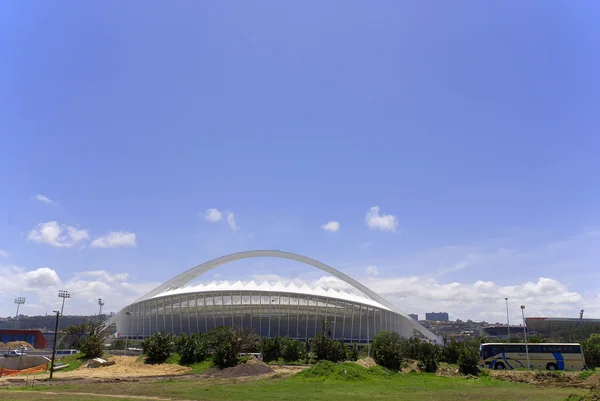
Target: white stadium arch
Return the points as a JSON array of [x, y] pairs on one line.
[[175, 287]]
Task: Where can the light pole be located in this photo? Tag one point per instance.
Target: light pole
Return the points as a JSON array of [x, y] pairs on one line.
[[507, 319], [525, 334], [54, 346], [126, 336], [101, 303], [64, 295], [19, 301]]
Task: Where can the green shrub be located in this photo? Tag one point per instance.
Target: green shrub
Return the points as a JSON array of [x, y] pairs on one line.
[[270, 348], [291, 350], [227, 343], [319, 346], [158, 347], [337, 351], [118, 344], [387, 350], [91, 346], [468, 361], [193, 348], [429, 356], [410, 348], [451, 351], [591, 350], [353, 354]]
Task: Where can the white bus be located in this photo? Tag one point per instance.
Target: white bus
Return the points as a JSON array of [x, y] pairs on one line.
[[549, 356]]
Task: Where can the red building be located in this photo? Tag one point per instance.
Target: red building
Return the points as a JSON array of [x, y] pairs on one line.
[[33, 337]]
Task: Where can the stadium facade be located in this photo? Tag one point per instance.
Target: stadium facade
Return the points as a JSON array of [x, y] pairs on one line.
[[269, 309]]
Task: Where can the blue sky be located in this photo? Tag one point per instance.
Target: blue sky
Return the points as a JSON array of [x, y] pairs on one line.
[[473, 124]]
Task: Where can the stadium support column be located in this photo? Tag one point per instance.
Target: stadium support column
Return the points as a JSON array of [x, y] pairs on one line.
[[352, 325], [344, 321]]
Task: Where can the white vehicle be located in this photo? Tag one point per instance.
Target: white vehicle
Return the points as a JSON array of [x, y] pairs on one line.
[[14, 353]]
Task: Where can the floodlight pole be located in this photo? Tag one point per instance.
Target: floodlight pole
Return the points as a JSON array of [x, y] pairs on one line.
[[19, 301], [101, 303], [507, 319], [127, 336], [54, 346], [525, 334]]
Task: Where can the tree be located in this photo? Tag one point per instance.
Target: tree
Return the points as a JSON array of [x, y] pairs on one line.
[[387, 348], [72, 336], [468, 360], [591, 350], [193, 348], [92, 344], [227, 342], [270, 348], [353, 354], [291, 350], [451, 350], [158, 347], [319, 346], [429, 356]]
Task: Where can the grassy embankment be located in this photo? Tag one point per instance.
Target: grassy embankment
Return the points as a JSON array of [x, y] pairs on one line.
[[324, 381]]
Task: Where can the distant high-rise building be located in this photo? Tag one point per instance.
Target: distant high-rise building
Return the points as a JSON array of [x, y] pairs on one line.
[[437, 316], [416, 317]]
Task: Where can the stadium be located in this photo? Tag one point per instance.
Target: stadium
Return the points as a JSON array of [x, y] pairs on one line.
[[269, 309]]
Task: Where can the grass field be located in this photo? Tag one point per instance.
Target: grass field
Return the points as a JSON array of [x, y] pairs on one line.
[[343, 382]]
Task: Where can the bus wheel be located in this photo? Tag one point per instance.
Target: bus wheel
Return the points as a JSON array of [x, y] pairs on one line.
[[551, 366], [499, 366]]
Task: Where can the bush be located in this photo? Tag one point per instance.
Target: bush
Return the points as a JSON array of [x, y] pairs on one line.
[[193, 348], [328, 350], [353, 354], [118, 344], [226, 344], [291, 350], [468, 361], [270, 348], [387, 350], [158, 347], [591, 350], [319, 346], [336, 351], [93, 343], [410, 348], [451, 351], [429, 356], [91, 347]]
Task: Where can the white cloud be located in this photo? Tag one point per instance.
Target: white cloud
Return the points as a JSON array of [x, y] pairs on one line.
[[212, 215], [483, 300], [3, 253], [40, 287], [115, 239], [60, 236], [42, 198], [383, 222], [372, 271], [366, 245], [231, 222], [331, 226]]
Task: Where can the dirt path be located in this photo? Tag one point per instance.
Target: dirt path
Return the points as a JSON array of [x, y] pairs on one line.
[[133, 397]]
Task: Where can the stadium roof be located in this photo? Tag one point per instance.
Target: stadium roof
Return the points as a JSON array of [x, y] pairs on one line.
[[278, 286]]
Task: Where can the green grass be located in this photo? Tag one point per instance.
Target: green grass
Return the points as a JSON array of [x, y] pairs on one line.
[[74, 362], [199, 367], [322, 382]]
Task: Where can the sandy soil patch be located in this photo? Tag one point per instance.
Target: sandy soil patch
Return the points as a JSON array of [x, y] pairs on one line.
[[125, 366]]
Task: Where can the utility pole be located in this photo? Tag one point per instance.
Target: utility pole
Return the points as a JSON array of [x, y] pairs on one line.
[[54, 346], [507, 319], [525, 334]]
